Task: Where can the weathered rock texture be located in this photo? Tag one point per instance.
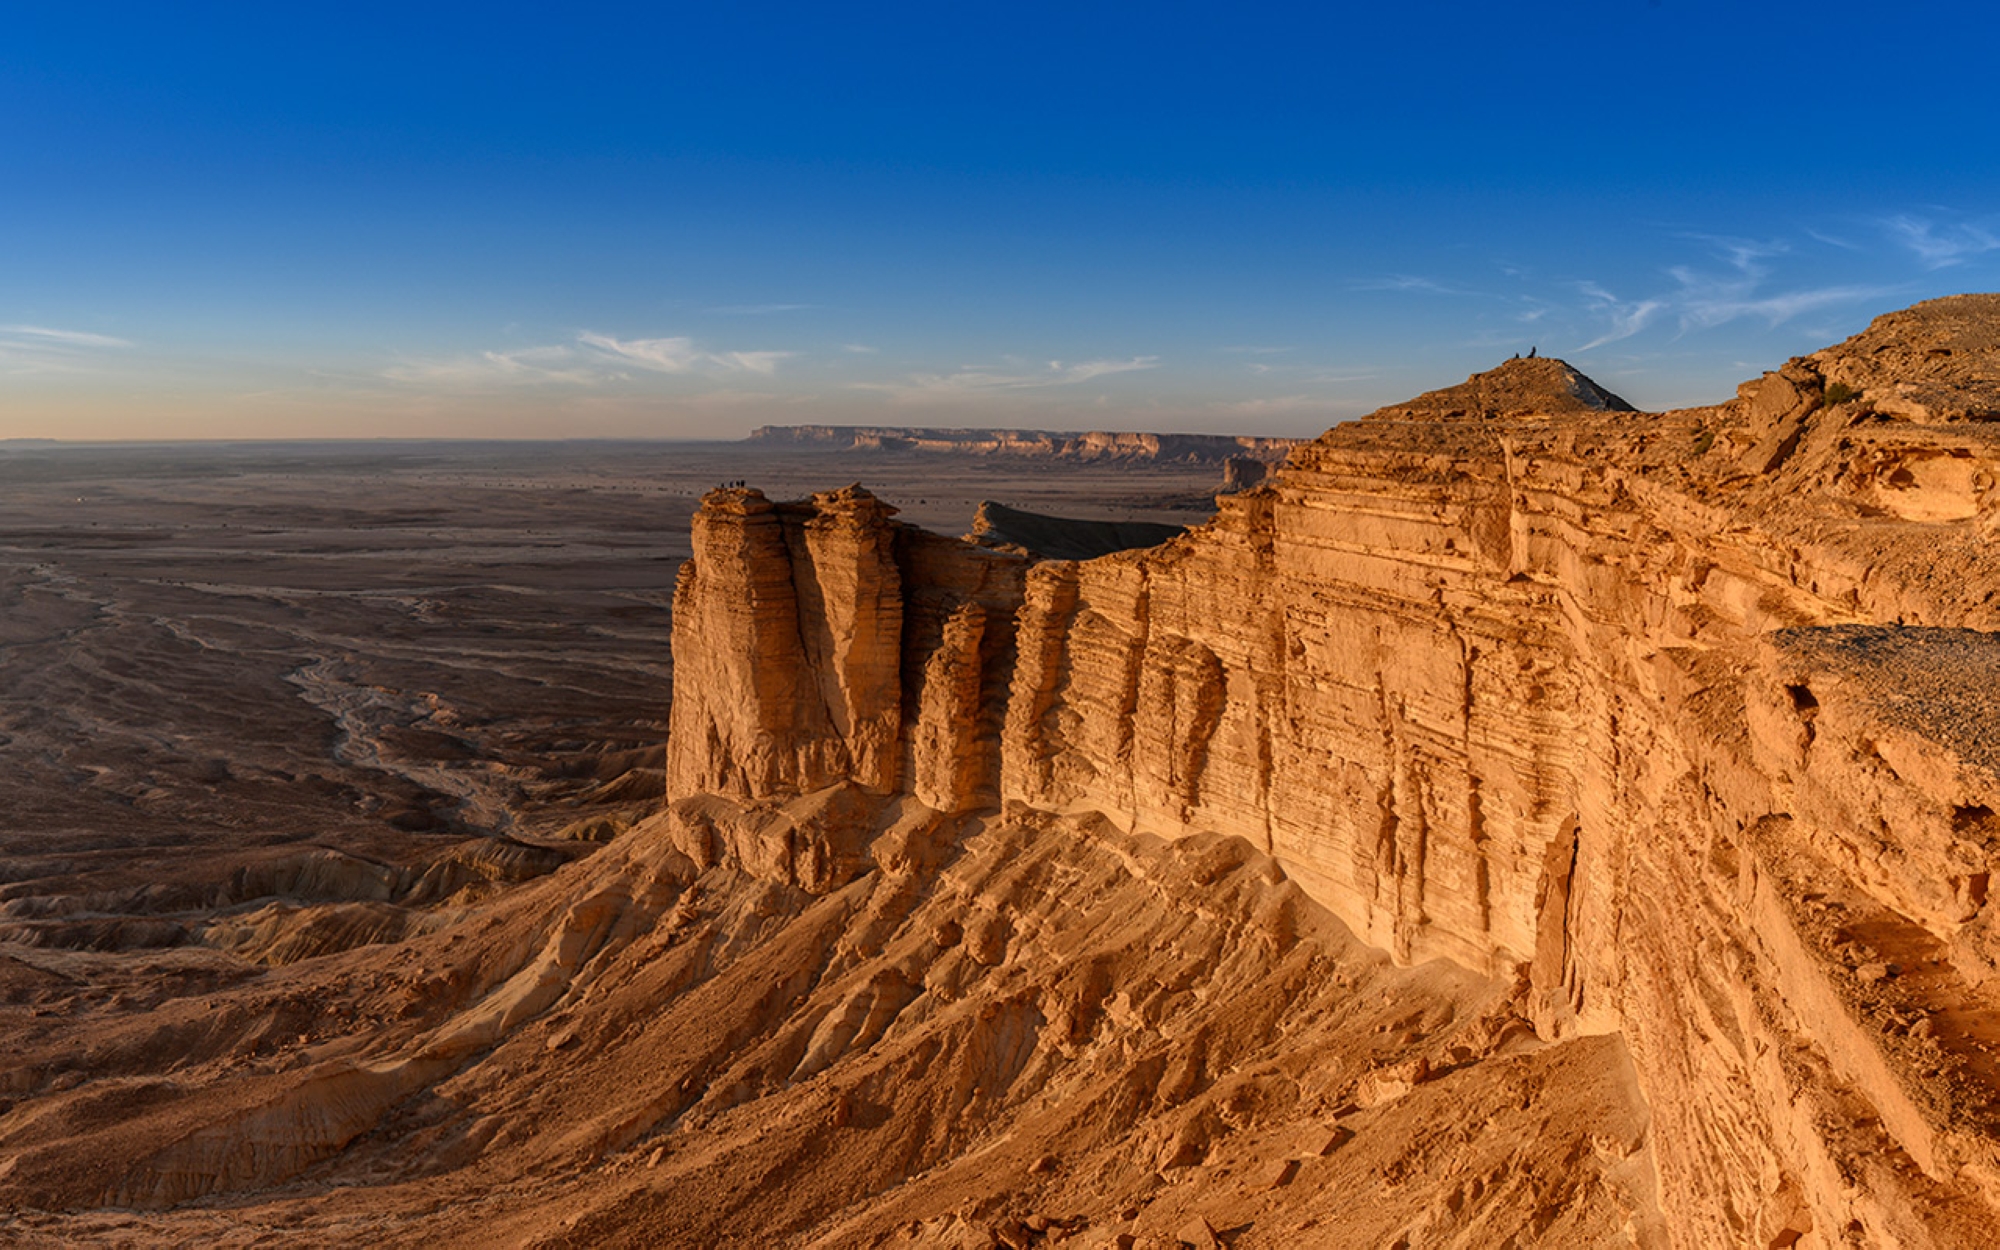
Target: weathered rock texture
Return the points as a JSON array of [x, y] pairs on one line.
[[1685, 720]]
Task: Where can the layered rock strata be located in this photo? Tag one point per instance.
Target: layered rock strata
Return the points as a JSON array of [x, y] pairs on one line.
[[1681, 720]]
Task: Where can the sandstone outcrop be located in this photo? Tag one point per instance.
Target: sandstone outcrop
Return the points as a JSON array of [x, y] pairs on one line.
[[1683, 720]]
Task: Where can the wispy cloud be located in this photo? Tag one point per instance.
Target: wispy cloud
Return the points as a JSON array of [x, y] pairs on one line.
[[1412, 282], [26, 349], [1703, 304], [1084, 371], [1939, 245], [1278, 405], [532, 365], [860, 349], [765, 363], [1703, 298], [1832, 240], [1625, 317], [67, 338], [1746, 256], [667, 355], [977, 379], [1300, 371], [593, 360], [680, 354], [757, 310]]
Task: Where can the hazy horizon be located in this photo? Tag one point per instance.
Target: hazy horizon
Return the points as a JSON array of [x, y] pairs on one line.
[[478, 223]]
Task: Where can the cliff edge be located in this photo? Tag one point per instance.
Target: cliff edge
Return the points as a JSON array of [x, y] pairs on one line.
[[1676, 721]]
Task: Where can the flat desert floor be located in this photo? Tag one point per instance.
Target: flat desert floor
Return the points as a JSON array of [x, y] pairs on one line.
[[212, 655]]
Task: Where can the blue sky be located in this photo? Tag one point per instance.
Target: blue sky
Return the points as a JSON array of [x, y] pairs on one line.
[[682, 221]]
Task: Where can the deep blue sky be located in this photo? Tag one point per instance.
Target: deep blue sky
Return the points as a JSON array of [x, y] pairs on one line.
[[530, 220]]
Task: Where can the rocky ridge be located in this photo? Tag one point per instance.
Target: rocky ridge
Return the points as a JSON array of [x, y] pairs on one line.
[[1673, 720]]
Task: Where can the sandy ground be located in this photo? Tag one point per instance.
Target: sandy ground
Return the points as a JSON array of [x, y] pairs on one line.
[[314, 928]]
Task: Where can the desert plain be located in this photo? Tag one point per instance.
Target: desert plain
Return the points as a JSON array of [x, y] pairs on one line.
[[1518, 821]]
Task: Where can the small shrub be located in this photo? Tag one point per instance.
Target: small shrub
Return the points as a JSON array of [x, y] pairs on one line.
[[1703, 442], [1840, 393]]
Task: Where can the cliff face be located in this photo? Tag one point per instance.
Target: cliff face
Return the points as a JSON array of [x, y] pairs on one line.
[[1684, 721]]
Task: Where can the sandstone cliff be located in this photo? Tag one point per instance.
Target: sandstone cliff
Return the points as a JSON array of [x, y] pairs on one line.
[[1682, 721]]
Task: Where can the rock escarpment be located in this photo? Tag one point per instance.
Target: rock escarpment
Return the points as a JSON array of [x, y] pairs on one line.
[[1680, 720]]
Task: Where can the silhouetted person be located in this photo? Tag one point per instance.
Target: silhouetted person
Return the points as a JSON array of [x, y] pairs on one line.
[[1531, 353]]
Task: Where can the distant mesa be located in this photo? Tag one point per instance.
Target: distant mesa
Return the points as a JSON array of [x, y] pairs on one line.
[[1243, 472], [1036, 444], [1062, 538]]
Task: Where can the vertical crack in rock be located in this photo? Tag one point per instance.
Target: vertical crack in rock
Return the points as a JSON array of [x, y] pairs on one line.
[[1552, 973]]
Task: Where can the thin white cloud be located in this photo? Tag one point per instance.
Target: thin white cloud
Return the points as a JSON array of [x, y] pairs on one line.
[[680, 354], [533, 365], [1746, 256], [1702, 299], [666, 355], [1303, 371], [1833, 240], [27, 349], [1939, 246], [1412, 282], [977, 379], [15, 361], [765, 363], [757, 310], [1272, 405], [1625, 318], [860, 349], [594, 360], [1066, 375], [66, 338], [1704, 307]]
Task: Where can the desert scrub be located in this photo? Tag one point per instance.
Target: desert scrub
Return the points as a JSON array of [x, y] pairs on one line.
[[1703, 441], [1840, 393]]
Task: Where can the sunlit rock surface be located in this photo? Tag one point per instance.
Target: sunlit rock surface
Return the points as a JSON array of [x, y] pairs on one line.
[[1684, 720]]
